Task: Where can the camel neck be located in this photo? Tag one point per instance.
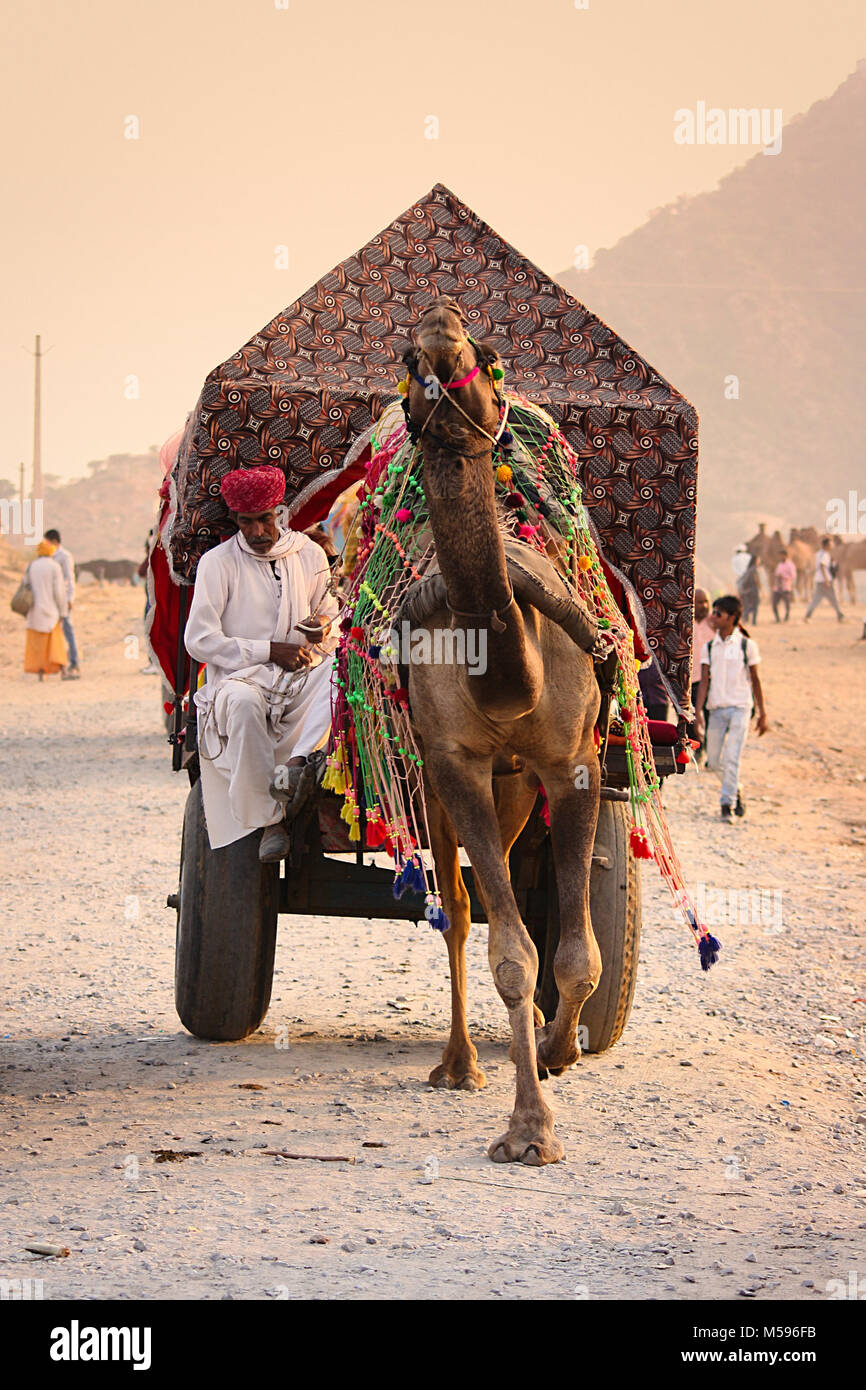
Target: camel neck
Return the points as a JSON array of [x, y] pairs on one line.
[[469, 545]]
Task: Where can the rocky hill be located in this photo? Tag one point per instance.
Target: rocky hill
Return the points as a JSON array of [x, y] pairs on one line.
[[106, 514], [762, 280]]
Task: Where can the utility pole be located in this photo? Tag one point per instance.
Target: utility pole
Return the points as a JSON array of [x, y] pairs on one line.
[[37, 421], [21, 485]]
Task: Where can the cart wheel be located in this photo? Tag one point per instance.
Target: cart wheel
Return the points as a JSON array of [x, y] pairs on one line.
[[226, 931], [615, 907]]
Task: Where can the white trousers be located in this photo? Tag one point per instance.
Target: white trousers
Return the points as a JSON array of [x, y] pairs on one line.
[[727, 731], [255, 735]]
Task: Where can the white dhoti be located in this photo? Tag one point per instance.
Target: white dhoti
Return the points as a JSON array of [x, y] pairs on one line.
[[244, 735], [252, 714]]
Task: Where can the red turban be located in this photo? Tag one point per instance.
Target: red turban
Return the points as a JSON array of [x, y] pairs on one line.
[[253, 490]]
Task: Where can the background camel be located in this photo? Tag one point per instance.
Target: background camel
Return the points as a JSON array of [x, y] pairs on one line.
[[534, 709], [850, 557], [801, 549]]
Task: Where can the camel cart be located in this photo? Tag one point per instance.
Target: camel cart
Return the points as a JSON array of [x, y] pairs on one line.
[[305, 393], [228, 903]]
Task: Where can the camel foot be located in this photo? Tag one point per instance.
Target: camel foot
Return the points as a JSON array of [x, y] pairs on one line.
[[446, 1078], [555, 1059], [531, 1144]]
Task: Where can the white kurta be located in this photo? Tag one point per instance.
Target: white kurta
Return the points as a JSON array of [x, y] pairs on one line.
[[252, 714], [67, 565], [49, 594]]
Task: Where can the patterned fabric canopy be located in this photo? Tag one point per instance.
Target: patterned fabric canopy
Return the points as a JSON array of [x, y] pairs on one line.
[[302, 390]]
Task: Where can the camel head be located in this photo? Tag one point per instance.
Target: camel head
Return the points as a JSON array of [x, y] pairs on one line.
[[456, 426]]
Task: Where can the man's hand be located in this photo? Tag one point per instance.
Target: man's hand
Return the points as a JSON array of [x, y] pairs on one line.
[[763, 723], [316, 627], [290, 656]]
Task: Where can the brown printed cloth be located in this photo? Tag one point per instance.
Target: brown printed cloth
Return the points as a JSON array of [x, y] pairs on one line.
[[299, 393]]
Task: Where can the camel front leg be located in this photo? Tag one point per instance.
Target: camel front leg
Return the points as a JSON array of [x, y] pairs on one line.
[[458, 1068], [463, 784], [577, 964]]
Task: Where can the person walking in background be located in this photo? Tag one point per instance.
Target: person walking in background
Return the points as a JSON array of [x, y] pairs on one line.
[[749, 589], [653, 693], [702, 633], [740, 562], [784, 579], [63, 558], [45, 649], [729, 684], [825, 581]]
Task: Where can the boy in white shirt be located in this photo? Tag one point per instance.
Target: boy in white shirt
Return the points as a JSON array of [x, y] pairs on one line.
[[729, 685]]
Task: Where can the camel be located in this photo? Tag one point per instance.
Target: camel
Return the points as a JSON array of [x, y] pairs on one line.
[[531, 715], [850, 557], [800, 549]]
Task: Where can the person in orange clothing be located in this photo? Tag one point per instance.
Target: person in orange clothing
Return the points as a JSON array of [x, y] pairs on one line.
[[45, 649]]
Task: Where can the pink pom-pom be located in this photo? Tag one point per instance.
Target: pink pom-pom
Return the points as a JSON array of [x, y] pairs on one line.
[[526, 531], [403, 514]]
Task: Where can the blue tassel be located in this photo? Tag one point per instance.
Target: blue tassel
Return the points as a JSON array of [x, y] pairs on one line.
[[401, 882], [709, 947], [374, 651], [411, 879], [437, 919], [506, 439]]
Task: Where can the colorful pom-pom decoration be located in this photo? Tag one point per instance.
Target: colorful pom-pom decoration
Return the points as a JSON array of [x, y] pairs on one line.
[[376, 763], [640, 845]]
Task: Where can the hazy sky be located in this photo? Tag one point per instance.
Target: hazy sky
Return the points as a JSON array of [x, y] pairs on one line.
[[304, 126]]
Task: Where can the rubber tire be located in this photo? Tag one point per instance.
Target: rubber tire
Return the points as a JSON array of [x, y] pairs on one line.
[[226, 932], [615, 908]]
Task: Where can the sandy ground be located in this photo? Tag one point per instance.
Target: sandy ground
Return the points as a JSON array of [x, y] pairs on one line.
[[716, 1151]]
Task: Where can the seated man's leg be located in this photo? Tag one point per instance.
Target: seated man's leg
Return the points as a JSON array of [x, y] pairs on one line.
[[304, 730], [242, 712], [310, 717]]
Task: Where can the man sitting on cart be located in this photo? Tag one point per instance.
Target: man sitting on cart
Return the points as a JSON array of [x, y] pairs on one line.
[[260, 617]]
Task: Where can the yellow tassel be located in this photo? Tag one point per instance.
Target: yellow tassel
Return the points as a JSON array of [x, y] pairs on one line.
[[504, 474], [403, 387], [354, 831], [584, 563]]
